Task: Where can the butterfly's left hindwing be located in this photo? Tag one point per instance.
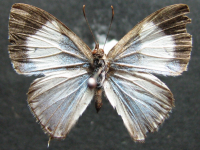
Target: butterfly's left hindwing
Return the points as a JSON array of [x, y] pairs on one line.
[[42, 44], [58, 99]]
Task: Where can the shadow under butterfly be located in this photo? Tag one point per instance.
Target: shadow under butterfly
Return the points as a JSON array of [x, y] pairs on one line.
[[73, 74]]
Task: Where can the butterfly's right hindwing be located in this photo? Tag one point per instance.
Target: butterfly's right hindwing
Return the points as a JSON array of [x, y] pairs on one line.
[[141, 99]]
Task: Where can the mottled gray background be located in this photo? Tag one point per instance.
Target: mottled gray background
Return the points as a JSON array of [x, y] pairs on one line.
[[103, 131]]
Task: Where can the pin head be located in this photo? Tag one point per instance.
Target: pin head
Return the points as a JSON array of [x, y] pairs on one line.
[[92, 83]]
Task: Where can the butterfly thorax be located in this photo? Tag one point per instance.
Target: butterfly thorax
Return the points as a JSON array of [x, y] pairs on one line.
[[96, 81]]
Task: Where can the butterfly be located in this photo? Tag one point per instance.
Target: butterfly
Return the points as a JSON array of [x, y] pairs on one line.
[[71, 74]]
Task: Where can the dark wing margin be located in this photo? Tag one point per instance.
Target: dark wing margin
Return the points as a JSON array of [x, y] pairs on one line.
[[141, 99], [159, 44], [42, 44]]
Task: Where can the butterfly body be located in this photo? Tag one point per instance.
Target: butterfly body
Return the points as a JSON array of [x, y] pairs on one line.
[[99, 69], [73, 74]]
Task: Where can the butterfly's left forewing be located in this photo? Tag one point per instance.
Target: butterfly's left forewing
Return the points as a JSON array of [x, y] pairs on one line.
[[42, 44]]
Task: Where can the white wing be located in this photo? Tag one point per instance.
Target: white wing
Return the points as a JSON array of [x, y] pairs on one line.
[[42, 44], [141, 99], [158, 44], [58, 99]]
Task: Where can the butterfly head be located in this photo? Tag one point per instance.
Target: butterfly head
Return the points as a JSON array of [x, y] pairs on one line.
[[97, 53]]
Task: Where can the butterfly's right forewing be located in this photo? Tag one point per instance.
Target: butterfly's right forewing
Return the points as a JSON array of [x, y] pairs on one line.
[[159, 44]]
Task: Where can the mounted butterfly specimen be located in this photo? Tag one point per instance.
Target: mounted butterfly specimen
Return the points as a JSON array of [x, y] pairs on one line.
[[73, 74]]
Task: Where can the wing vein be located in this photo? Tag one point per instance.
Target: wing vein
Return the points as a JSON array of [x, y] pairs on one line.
[[58, 84], [142, 87], [60, 105], [131, 113], [157, 24], [54, 45], [140, 67], [61, 118]]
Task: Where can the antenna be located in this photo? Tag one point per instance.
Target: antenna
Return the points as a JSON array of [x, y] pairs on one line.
[[110, 25], [89, 25]]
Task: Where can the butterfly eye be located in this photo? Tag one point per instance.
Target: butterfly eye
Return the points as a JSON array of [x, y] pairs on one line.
[[92, 83]]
